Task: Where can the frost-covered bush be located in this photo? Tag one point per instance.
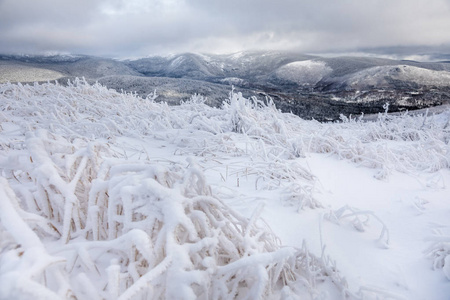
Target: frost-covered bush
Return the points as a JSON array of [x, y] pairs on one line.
[[406, 143], [80, 217], [114, 228]]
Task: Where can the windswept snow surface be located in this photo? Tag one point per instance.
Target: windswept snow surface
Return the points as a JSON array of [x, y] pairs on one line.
[[110, 196]]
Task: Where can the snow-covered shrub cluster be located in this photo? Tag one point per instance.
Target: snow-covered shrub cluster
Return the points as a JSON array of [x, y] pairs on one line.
[[274, 147], [208, 130], [80, 218], [406, 143], [105, 227]]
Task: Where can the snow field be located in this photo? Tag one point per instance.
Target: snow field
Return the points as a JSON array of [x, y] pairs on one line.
[[108, 195]]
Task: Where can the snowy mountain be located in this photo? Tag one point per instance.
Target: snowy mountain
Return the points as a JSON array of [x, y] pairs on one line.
[[245, 65], [258, 68], [107, 195], [322, 88]]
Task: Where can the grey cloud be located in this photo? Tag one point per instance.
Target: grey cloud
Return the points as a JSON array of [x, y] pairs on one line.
[[50, 12], [141, 27]]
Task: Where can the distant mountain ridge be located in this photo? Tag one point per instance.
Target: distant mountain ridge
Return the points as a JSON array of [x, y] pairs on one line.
[[310, 86]]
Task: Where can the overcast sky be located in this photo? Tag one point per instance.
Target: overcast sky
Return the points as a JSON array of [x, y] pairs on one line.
[[131, 28]]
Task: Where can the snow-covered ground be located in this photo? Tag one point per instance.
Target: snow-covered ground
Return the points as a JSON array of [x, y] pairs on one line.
[[110, 196]]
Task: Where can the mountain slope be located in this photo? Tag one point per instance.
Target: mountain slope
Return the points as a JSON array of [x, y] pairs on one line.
[[391, 77], [73, 65], [14, 72]]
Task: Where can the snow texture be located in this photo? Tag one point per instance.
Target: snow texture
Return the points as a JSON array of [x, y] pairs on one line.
[[106, 195]]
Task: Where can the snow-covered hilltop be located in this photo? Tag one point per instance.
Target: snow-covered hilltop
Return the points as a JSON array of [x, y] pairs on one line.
[[387, 76], [304, 73], [107, 195]]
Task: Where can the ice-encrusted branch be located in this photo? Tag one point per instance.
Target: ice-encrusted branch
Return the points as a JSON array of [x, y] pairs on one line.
[[143, 228], [359, 220]]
